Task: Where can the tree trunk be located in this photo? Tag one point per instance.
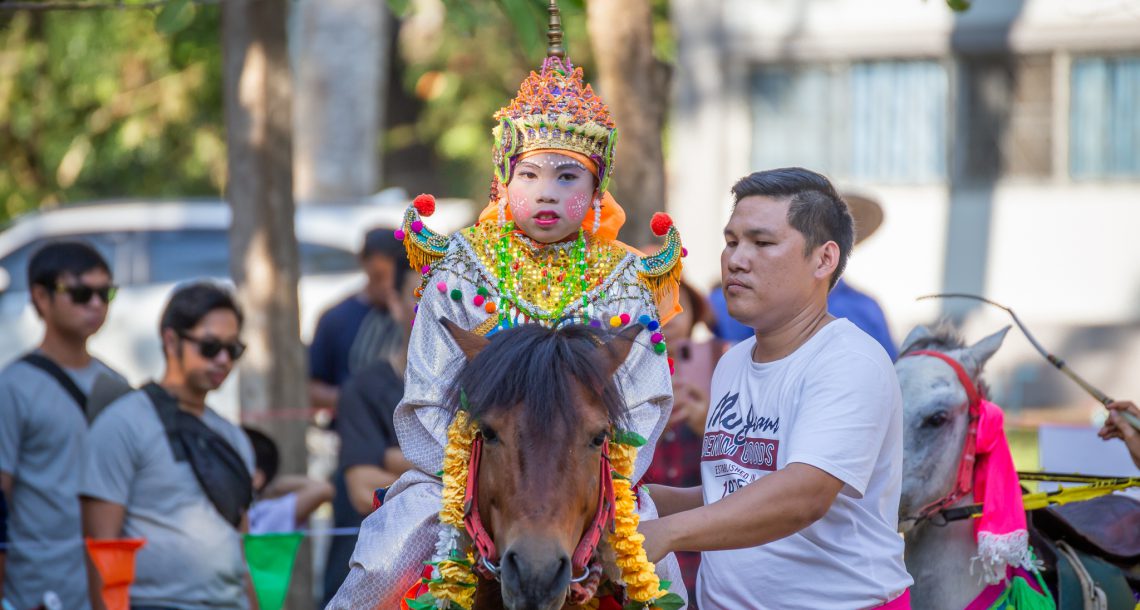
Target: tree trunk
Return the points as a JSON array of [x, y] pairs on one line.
[[263, 245], [635, 86], [342, 76]]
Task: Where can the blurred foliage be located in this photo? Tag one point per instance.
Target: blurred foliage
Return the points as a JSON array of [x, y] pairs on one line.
[[109, 103], [102, 103], [465, 60]]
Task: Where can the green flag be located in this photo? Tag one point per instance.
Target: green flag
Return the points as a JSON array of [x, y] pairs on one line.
[[270, 559]]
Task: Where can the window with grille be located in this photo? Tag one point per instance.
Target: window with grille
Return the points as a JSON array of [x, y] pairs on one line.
[[1104, 117], [883, 121]]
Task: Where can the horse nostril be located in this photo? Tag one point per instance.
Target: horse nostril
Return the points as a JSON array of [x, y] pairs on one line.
[[511, 560]]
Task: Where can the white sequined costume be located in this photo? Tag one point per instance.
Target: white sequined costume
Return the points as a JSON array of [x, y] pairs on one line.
[[397, 539]]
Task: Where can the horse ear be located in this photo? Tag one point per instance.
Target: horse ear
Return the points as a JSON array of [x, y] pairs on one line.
[[616, 350], [469, 343], [919, 333], [979, 353]]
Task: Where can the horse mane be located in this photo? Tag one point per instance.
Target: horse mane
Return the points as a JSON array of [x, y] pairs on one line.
[[537, 367], [945, 338]]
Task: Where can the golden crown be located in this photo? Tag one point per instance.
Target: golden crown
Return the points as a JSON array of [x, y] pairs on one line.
[[555, 108]]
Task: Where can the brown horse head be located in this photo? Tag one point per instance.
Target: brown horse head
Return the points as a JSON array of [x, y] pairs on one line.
[[545, 402]]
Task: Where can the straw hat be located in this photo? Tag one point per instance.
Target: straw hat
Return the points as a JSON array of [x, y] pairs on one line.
[[867, 212]]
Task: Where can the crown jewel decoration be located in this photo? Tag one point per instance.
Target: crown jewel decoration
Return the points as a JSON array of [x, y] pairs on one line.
[[555, 109]]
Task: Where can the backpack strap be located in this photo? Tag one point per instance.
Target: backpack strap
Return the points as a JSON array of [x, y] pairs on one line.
[[61, 377], [167, 408], [219, 468]]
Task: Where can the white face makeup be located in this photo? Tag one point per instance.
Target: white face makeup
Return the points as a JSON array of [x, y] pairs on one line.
[[549, 195]]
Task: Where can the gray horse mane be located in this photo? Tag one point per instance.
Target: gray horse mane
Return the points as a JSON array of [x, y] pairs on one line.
[[944, 338]]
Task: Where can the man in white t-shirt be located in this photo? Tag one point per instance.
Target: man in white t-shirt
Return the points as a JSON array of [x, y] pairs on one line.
[[801, 462]]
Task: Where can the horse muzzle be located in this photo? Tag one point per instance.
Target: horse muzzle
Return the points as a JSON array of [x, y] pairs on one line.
[[534, 580]]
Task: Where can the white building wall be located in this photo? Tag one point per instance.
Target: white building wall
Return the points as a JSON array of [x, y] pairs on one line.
[[1065, 255]]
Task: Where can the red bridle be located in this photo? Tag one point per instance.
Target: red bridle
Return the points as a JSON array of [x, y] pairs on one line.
[[487, 556], [964, 483]]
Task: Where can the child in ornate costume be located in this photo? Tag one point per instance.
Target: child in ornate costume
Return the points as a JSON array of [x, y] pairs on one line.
[[543, 252]]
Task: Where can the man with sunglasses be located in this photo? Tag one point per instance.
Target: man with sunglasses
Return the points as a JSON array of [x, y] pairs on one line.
[[43, 426], [144, 478]]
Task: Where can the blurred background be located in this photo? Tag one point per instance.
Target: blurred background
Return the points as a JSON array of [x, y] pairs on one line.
[[1001, 142]]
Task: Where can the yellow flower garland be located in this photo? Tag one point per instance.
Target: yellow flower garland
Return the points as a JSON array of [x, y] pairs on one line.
[[456, 581], [640, 576], [456, 457], [455, 584]]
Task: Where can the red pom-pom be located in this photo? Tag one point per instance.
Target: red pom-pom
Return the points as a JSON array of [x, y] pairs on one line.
[[425, 204], [660, 223]]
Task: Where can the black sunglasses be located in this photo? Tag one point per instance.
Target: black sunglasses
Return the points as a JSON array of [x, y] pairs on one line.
[[209, 347], [81, 293]]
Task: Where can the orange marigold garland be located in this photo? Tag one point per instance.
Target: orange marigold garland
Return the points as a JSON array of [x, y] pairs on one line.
[[451, 585], [643, 587]]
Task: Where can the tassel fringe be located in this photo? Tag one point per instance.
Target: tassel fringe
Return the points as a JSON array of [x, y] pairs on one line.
[[998, 551], [424, 247]]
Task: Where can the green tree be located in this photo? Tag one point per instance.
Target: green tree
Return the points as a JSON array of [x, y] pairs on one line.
[[463, 61], [100, 103]]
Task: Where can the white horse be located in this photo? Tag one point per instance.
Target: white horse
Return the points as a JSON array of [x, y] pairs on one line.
[[935, 421]]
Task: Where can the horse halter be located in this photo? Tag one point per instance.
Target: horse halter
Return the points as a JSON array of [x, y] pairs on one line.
[[487, 559], [964, 482]]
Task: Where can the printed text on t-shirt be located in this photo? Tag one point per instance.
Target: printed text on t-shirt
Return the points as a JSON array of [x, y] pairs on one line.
[[729, 438]]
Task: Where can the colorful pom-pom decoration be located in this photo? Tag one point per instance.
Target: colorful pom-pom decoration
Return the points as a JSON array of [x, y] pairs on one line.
[[478, 300], [417, 226], [596, 323], [656, 338], [660, 223], [644, 319], [490, 307], [615, 321], [659, 347], [672, 369], [684, 252], [456, 294], [442, 286], [482, 291], [399, 234], [624, 319], [424, 204], [653, 325]]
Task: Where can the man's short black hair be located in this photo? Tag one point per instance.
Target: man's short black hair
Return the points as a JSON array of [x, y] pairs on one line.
[[191, 302], [63, 257], [383, 242], [815, 208], [266, 457]]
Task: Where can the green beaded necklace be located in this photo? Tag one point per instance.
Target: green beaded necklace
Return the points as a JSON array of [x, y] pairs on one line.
[[508, 291]]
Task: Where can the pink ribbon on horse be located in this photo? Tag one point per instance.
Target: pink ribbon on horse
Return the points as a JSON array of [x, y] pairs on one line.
[[1001, 531]]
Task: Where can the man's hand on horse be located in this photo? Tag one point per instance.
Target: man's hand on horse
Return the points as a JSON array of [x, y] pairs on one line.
[[1117, 427], [657, 541]]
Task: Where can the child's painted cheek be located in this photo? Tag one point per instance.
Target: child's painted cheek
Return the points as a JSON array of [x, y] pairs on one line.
[[521, 207], [576, 206]]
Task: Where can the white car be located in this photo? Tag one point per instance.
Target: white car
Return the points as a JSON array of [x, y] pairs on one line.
[[154, 245]]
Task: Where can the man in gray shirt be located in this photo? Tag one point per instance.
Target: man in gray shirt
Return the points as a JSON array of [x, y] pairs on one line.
[[136, 485], [43, 427]]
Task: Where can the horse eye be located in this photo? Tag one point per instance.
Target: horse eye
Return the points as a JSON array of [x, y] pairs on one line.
[[937, 420], [598, 440], [489, 435]]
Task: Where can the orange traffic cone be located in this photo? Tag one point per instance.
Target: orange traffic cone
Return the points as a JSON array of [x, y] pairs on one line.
[[115, 560]]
